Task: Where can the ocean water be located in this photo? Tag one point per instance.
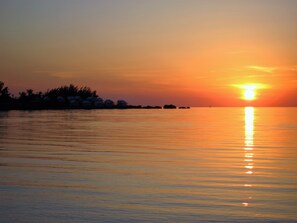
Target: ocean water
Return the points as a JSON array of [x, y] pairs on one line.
[[196, 165]]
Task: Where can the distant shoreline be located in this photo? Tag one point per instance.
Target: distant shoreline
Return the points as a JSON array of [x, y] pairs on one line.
[[9, 108], [65, 97]]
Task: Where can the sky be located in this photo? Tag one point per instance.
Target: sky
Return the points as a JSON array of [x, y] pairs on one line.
[[185, 52]]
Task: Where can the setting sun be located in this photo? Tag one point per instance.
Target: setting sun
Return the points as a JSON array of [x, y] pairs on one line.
[[249, 93]]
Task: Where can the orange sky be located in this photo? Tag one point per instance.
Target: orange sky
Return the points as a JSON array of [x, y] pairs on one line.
[[187, 52]]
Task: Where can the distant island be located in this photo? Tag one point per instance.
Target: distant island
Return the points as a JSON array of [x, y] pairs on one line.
[[65, 97]]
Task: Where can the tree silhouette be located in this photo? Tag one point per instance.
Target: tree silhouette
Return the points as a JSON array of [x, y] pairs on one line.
[[64, 97], [71, 90], [4, 92]]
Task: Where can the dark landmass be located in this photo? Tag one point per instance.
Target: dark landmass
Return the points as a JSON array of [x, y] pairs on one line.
[[65, 97], [184, 107], [171, 106]]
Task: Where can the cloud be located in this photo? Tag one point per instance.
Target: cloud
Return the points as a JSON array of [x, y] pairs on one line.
[[251, 85], [267, 69], [262, 68], [291, 68], [61, 74]]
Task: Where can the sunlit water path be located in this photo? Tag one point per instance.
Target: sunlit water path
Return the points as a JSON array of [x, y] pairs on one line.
[[197, 165]]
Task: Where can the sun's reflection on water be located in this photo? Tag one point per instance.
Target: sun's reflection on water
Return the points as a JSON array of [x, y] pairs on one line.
[[249, 146], [249, 127]]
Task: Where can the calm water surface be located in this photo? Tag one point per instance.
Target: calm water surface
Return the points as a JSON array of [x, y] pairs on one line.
[[197, 165]]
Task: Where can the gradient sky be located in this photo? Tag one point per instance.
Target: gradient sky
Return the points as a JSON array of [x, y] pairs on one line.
[[186, 52]]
